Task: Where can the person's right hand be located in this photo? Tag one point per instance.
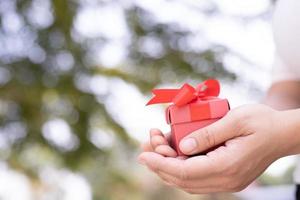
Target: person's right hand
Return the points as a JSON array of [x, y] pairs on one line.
[[254, 136]]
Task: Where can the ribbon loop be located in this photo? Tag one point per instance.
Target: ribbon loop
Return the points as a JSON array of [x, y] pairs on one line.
[[209, 87], [186, 93]]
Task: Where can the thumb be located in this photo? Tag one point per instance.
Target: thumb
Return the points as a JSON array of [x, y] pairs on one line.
[[209, 136]]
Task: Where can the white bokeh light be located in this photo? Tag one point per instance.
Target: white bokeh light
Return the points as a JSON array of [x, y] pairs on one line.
[[102, 139], [243, 8], [95, 21], [64, 185], [58, 132], [14, 185]]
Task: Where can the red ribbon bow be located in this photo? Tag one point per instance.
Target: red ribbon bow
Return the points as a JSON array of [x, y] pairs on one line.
[[186, 94]]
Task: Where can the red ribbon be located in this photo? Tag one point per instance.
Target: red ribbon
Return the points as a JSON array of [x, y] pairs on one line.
[[186, 94]]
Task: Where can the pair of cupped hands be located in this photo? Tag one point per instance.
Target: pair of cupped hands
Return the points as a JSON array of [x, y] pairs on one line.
[[253, 136]]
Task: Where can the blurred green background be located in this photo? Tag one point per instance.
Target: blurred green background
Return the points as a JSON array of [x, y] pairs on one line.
[[59, 61]]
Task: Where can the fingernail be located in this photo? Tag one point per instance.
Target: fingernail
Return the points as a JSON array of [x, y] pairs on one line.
[[188, 145]]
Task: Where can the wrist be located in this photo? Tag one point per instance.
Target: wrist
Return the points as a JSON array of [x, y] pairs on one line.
[[288, 123]]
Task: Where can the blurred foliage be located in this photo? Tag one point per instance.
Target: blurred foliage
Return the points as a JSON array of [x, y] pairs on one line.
[[45, 68], [285, 178]]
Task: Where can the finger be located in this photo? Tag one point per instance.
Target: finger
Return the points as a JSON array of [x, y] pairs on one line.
[[165, 150], [210, 136], [176, 181], [182, 169], [171, 180], [157, 162], [155, 131], [161, 138], [147, 147], [194, 190], [216, 182], [158, 140], [167, 181], [206, 190]]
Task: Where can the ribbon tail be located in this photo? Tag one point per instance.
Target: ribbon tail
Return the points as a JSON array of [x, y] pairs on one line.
[[162, 96]]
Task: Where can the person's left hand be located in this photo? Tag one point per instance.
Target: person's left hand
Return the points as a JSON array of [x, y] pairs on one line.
[[254, 137], [159, 143]]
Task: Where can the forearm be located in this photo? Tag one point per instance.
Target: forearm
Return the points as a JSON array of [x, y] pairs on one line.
[[282, 101], [289, 123], [283, 95]]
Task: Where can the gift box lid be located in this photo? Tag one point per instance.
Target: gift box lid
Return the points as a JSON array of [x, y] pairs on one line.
[[200, 109]]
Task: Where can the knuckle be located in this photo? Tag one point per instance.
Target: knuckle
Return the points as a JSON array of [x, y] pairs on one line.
[[238, 111], [208, 137], [241, 118], [234, 113], [239, 114]]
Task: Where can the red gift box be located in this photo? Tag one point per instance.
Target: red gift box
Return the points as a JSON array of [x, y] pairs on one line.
[[192, 108]]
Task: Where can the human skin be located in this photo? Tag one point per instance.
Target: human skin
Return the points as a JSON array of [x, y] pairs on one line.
[[254, 136]]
